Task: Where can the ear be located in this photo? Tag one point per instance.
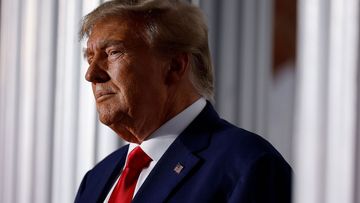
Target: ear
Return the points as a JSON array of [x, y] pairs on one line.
[[178, 68]]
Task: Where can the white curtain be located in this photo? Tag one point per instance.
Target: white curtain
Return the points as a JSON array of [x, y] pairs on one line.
[[327, 109]]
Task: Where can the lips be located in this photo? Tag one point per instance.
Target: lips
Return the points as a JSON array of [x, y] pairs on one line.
[[102, 94]]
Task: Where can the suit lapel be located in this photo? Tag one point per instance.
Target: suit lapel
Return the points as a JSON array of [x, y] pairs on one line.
[[163, 178], [180, 159], [107, 177]]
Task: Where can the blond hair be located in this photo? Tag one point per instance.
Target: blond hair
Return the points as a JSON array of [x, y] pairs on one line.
[[172, 26]]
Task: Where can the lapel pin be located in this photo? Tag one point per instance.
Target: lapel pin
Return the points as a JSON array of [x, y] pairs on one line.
[[178, 168]]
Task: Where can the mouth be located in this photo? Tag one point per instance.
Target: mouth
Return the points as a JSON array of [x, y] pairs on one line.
[[102, 95]]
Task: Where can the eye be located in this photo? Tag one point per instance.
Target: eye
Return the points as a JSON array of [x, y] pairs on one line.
[[113, 52]]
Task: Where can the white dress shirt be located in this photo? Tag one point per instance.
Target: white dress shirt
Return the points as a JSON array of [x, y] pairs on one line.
[[159, 141]]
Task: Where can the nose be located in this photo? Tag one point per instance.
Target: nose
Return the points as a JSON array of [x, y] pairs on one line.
[[96, 73]]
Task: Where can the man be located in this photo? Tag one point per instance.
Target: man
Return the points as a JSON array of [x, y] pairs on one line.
[[151, 74]]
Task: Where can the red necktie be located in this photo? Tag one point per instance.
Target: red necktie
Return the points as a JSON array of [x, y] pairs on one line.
[[124, 189]]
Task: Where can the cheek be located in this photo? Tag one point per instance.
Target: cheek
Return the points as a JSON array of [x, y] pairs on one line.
[[120, 74], [138, 81], [125, 82]]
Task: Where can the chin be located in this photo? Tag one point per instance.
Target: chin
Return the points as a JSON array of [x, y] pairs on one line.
[[105, 120], [106, 117]]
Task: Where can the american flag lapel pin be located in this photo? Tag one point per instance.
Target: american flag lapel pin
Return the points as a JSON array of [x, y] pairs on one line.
[[178, 168]]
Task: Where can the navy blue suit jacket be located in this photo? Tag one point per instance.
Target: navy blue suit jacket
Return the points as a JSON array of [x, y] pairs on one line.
[[222, 163]]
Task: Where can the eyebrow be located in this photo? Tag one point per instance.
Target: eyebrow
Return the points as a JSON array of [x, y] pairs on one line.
[[103, 44], [107, 43]]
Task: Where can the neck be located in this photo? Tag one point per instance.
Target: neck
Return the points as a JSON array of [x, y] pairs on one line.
[[175, 103]]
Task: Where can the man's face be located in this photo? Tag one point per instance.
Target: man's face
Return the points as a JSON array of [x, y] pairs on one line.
[[128, 79]]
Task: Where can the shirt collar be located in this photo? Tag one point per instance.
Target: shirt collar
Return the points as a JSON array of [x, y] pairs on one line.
[[159, 141]]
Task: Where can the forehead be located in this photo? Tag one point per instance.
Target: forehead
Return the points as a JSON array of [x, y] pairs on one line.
[[114, 29]]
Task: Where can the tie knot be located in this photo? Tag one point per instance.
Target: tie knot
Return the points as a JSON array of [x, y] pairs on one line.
[[138, 159]]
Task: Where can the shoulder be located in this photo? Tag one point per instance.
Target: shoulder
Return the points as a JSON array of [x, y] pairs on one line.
[[227, 141], [238, 140], [241, 150]]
